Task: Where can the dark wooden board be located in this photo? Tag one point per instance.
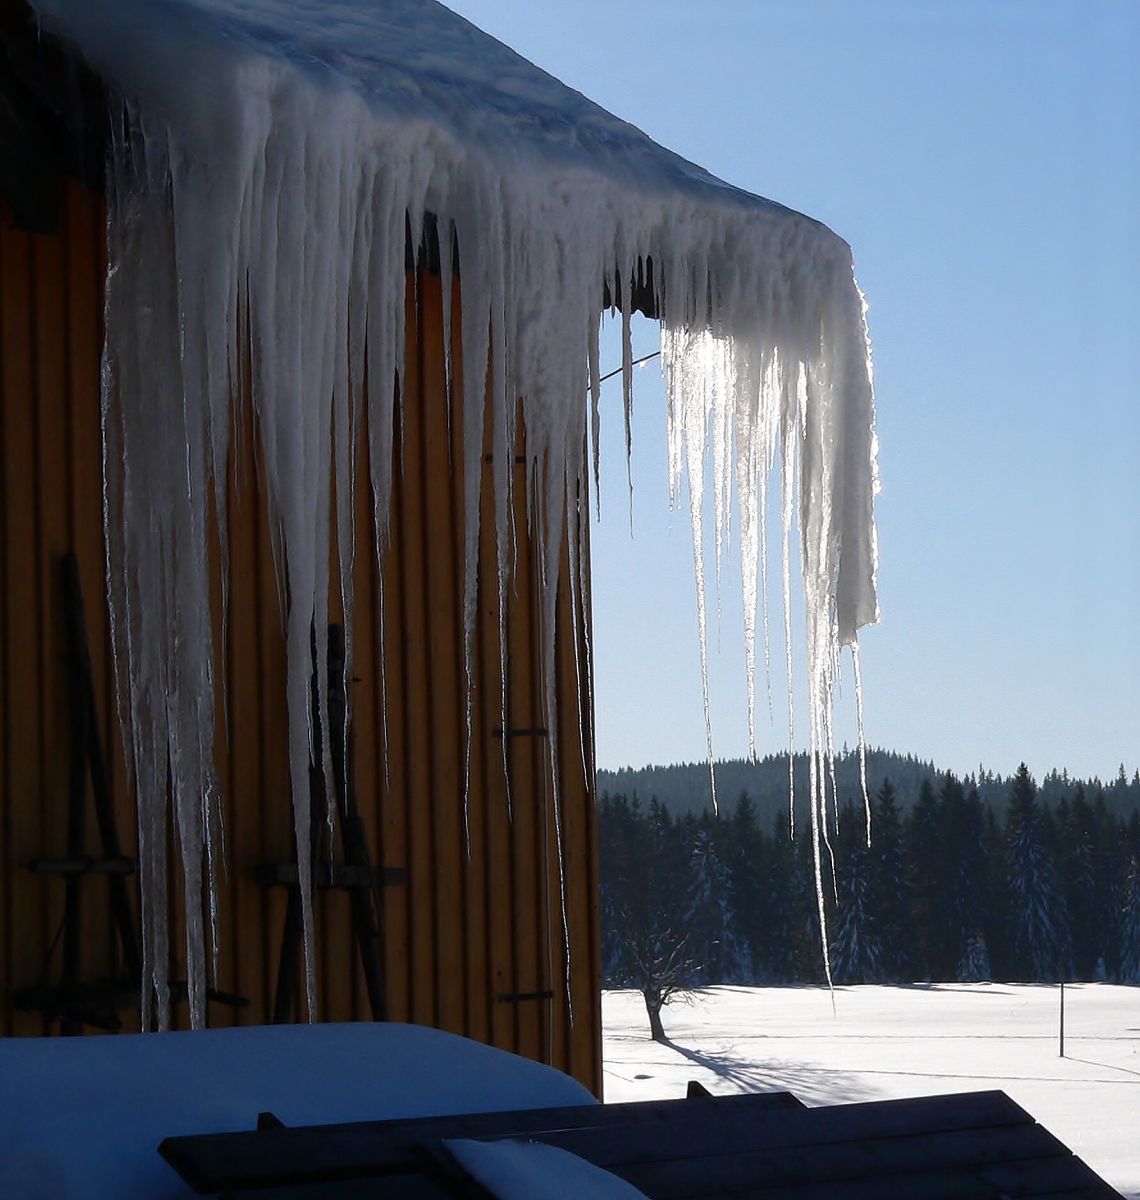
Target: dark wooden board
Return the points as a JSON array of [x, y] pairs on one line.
[[685, 1176], [414, 1186], [698, 1174], [920, 1185], [926, 1185], [1039, 1177], [277, 1157], [972, 1146], [1098, 1191], [709, 1131]]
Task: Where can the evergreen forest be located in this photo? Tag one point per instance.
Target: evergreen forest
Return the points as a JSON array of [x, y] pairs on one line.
[[952, 887]]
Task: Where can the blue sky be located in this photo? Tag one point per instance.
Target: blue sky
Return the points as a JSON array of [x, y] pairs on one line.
[[983, 160]]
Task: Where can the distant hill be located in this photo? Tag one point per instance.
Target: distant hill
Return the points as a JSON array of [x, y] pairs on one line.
[[685, 787]]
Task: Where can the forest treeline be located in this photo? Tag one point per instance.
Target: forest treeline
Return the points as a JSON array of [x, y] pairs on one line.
[[950, 888], [686, 787]]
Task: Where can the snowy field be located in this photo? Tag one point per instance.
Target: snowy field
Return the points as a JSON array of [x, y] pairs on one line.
[[887, 1042]]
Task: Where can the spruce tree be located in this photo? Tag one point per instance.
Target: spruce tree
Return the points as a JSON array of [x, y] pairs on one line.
[[1130, 927], [855, 951], [783, 936], [922, 852], [1116, 859], [717, 953], [620, 844], [1039, 923], [974, 966], [889, 887], [807, 959], [962, 879], [1085, 836], [943, 937], [997, 924], [746, 857], [1132, 833]]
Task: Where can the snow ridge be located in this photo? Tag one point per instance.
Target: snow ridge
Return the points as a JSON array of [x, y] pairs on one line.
[[268, 156]]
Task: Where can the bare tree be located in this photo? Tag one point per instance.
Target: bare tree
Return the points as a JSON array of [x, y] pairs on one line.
[[648, 940], [657, 963]]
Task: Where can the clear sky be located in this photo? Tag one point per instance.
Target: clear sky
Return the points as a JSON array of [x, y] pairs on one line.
[[982, 157]]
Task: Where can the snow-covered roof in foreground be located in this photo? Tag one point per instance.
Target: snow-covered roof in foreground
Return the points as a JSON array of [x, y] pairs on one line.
[[82, 1118], [266, 160]]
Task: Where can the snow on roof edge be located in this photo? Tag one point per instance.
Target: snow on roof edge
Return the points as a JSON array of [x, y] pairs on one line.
[[406, 58]]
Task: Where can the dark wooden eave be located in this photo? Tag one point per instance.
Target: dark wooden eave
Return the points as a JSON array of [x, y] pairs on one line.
[[54, 120], [971, 1146], [643, 296]]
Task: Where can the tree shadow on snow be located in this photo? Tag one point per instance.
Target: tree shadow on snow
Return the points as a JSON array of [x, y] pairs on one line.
[[811, 1084], [957, 989]]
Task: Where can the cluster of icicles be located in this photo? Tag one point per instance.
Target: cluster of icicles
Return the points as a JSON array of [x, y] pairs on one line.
[[260, 259]]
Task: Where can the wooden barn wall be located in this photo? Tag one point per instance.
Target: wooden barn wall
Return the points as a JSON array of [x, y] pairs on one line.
[[473, 938], [51, 484]]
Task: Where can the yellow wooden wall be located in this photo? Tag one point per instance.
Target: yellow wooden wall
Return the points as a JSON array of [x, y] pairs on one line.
[[467, 928]]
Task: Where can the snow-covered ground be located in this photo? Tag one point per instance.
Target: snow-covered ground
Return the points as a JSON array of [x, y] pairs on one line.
[[886, 1042]]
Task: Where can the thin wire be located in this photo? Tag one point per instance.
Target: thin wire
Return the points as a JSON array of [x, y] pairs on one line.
[[636, 363]]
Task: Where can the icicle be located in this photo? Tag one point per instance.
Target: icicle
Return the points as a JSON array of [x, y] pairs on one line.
[[767, 625], [157, 468], [819, 834], [750, 493], [723, 394], [263, 174], [385, 739], [706, 375], [550, 524], [595, 408], [756, 428], [578, 511], [787, 485], [862, 739], [689, 365], [627, 385]]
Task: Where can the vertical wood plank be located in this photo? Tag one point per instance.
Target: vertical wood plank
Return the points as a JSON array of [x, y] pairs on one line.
[[576, 696], [275, 790], [53, 539], [445, 666], [392, 761], [23, 726], [80, 483], [577, 800], [479, 997], [251, 966], [232, 946], [525, 757], [337, 959], [499, 887], [417, 729], [560, 854], [364, 703], [7, 813]]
